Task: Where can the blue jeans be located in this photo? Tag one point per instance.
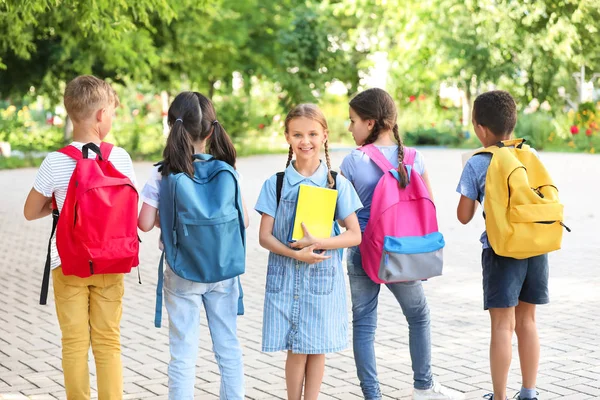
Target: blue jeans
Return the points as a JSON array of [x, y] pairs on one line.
[[183, 299], [412, 299]]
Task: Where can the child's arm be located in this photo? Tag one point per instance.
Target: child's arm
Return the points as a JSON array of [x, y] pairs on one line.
[[270, 242], [147, 218], [37, 206], [425, 177], [351, 237], [466, 209], [246, 216]]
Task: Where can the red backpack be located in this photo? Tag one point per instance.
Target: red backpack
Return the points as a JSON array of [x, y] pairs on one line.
[[97, 229]]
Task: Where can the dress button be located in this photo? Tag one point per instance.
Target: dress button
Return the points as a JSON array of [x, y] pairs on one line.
[[296, 297]]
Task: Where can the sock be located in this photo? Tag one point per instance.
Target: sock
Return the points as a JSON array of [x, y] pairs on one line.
[[528, 393]]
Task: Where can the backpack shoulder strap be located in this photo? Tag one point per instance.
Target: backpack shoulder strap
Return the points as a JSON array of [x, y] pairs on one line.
[[106, 148], [279, 186], [72, 152], [377, 157], [334, 176], [46, 276], [410, 153]]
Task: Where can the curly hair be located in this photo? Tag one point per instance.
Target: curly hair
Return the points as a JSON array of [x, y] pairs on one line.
[[497, 111]]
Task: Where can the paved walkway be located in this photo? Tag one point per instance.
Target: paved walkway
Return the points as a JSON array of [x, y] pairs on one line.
[[30, 364]]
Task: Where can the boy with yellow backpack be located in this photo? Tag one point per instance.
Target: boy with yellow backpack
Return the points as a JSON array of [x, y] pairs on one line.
[[523, 220]]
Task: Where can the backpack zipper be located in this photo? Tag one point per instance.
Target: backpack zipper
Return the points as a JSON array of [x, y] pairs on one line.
[[91, 268]]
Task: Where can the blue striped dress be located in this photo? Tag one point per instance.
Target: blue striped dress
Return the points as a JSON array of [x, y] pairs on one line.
[[305, 305]]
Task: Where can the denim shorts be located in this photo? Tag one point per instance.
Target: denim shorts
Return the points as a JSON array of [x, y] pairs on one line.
[[506, 281]]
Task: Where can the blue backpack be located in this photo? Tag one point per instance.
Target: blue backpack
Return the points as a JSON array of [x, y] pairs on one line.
[[202, 226]]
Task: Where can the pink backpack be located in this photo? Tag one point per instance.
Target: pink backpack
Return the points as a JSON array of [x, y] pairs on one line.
[[401, 242]]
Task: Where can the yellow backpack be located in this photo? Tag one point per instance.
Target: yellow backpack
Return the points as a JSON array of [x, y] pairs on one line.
[[523, 216]]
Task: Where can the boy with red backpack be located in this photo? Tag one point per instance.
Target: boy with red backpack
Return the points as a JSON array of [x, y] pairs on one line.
[[89, 188]]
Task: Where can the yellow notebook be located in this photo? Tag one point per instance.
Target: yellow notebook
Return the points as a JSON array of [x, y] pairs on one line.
[[315, 207]]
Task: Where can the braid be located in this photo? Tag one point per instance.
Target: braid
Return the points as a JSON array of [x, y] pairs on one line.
[[401, 170], [373, 135], [290, 154], [330, 181]]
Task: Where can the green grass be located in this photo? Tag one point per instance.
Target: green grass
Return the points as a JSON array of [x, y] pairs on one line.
[[16, 162]]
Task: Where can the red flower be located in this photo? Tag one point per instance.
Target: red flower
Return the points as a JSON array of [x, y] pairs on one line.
[[422, 97], [574, 130], [412, 98], [433, 124], [261, 126], [588, 132]]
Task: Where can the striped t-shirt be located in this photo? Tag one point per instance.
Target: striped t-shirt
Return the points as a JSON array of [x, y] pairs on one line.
[[55, 173]]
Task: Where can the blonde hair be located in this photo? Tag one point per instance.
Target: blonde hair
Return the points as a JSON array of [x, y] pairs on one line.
[[310, 111], [86, 94]]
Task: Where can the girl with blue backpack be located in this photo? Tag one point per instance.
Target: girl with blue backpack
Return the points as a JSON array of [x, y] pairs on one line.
[[194, 197], [305, 300], [373, 126]]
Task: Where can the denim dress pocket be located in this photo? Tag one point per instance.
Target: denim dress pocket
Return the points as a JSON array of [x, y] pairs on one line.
[[275, 278], [322, 279]]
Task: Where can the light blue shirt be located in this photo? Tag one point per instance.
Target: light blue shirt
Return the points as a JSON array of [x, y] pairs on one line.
[[472, 183], [365, 174], [347, 201]]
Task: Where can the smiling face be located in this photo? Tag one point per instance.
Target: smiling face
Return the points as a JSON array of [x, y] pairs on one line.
[[306, 136]]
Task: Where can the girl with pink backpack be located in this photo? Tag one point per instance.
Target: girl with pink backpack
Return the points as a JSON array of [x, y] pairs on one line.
[[392, 183]]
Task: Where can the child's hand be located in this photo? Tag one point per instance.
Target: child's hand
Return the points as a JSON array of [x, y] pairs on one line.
[[307, 240], [306, 255]]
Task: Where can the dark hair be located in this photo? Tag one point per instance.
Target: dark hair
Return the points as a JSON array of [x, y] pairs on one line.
[[184, 118], [497, 111], [310, 111], [378, 105], [192, 117], [219, 143]]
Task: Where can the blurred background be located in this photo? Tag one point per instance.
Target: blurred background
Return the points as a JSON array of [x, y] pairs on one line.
[[257, 59]]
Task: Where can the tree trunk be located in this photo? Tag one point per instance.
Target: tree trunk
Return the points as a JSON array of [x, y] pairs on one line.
[[211, 89], [164, 96]]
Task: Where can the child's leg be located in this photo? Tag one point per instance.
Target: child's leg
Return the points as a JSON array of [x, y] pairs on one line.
[[364, 293], [295, 369], [503, 326], [534, 291], [529, 343], [503, 280], [315, 368], [183, 301], [411, 297], [71, 296], [221, 304], [106, 300]]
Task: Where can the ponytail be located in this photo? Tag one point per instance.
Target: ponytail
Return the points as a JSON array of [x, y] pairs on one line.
[[179, 150], [220, 145], [401, 169]]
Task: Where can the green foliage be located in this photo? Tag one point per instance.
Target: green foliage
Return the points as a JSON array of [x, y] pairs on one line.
[[16, 162], [19, 128], [535, 128], [432, 137]]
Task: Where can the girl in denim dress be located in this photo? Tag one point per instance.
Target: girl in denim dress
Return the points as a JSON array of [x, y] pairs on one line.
[[305, 301]]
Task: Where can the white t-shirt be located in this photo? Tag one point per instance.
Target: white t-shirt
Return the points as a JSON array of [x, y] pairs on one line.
[[55, 173]]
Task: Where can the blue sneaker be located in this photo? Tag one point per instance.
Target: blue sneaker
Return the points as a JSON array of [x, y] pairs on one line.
[[517, 396], [490, 396]]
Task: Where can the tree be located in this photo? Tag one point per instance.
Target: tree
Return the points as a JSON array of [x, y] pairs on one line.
[[45, 42]]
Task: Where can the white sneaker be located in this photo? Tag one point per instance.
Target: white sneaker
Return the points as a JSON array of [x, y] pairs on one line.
[[437, 392]]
